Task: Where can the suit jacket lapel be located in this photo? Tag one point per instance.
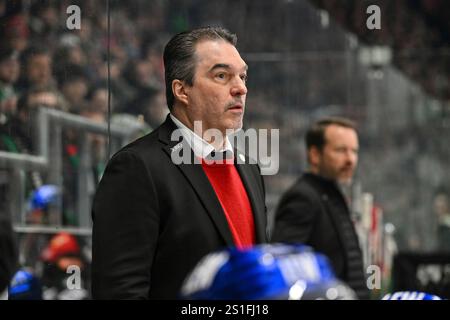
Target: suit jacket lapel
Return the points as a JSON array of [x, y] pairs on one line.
[[257, 203], [199, 181]]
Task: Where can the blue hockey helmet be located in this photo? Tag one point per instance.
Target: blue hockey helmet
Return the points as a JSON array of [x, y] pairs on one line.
[[410, 295], [25, 286], [44, 196], [269, 271]]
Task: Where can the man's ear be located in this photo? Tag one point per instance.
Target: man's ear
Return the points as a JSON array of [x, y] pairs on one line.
[[179, 91], [314, 156]]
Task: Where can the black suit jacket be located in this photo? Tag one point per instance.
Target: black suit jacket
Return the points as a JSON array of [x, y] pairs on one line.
[[154, 220], [309, 213]]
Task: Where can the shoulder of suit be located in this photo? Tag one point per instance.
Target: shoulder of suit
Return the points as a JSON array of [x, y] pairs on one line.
[[306, 185], [141, 147], [147, 141]]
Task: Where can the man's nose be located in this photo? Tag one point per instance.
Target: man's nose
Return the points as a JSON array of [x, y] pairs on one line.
[[352, 157], [239, 88]]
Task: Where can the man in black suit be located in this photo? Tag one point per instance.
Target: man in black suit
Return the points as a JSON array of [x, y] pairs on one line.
[[154, 216], [314, 211]]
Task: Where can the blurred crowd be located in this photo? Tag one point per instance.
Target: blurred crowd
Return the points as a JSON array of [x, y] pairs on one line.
[[60, 272], [417, 31], [45, 63]]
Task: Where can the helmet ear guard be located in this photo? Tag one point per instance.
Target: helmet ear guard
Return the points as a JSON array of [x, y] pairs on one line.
[[269, 271]]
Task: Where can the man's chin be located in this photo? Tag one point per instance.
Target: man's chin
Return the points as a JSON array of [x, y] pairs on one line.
[[234, 127]]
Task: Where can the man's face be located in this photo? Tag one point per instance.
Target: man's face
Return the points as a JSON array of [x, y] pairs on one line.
[[339, 157], [9, 70], [217, 96], [39, 69], [99, 100], [75, 90]]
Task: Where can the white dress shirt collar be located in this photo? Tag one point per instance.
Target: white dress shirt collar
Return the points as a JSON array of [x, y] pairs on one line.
[[199, 146]]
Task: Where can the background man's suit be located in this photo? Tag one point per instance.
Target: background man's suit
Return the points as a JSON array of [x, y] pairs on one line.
[[314, 212], [154, 220]]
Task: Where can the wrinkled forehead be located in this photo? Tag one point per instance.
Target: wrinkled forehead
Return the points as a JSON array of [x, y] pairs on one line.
[[209, 53]]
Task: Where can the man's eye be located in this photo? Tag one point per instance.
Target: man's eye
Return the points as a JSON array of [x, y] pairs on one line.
[[221, 75], [244, 77]]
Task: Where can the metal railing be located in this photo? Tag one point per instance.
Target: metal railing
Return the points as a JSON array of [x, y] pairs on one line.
[[49, 161]]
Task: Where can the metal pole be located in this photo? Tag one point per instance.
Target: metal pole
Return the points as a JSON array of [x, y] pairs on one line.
[[21, 194], [49, 160], [42, 132], [55, 175], [16, 196], [51, 230], [84, 176]]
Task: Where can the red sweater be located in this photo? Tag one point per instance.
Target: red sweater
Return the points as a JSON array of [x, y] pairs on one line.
[[232, 195]]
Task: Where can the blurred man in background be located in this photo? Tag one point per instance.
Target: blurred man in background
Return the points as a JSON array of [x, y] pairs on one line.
[[37, 69], [314, 211]]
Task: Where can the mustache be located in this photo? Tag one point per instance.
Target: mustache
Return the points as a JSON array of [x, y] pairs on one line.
[[234, 103]]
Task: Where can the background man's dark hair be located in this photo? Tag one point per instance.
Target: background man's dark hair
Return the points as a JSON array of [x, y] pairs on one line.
[[315, 136], [179, 55]]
